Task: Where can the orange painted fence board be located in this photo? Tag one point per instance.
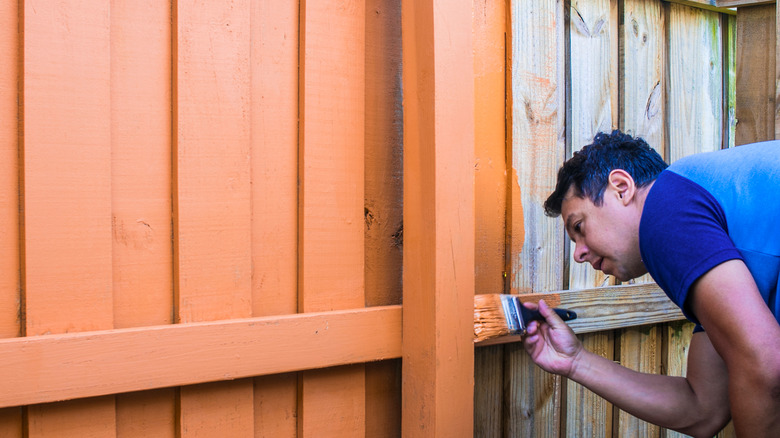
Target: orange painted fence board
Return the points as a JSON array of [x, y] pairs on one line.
[[438, 265], [66, 189]]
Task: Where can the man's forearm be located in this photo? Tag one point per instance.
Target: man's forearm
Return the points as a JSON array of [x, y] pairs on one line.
[[663, 400]]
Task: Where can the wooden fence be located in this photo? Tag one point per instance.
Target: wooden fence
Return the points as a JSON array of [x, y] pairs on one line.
[[211, 212]]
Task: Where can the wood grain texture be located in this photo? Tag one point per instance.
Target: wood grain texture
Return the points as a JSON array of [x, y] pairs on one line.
[[640, 350], [331, 252], [674, 361], [64, 366], [274, 193], [607, 308], [212, 202], [438, 264], [489, 24], [695, 96], [643, 65], [756, 85], [383, 208], [593, 58], [66, 188], [141, 192], [10, 281], [10, 48], [536, 259]]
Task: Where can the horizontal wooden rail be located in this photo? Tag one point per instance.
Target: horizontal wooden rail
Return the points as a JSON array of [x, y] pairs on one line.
[[40, 369], [710, 5], [607, 308], [48, 368]]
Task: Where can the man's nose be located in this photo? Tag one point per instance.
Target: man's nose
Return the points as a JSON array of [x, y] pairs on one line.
[[580, 252]]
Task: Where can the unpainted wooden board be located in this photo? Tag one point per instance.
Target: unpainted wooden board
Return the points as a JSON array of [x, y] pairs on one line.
[[591, 90], [66, 187], [331, 252], [274, 193], [640, 350], [535, 242], [756, 85], [695, 93], [438, 265], [593, 61], [212, 198]]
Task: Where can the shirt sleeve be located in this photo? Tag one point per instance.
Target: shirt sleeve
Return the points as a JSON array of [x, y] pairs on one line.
[[682, 234]]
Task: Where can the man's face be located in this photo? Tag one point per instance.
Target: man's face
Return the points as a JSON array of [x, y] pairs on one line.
[[606, 236]]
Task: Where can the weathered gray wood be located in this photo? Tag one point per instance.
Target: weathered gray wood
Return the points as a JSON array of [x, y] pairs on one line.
[[535, 242]]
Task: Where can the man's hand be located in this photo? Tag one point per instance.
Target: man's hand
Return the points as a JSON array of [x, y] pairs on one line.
[[552, 345]]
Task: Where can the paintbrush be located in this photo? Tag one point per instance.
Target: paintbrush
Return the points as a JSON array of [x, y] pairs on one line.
[[500, 314]]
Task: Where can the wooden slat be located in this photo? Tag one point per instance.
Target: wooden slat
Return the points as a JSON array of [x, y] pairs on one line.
[[47, 368], [331, 216], [593, 58], [489, 30], [141, 192], [212, 203], [676, 341], [536, 258], [274, 125], [639, 350], [9, 169], [383, 200], [66, 187], [724, 7], [10, 296], [738, 3], [756, 70], [438, 264], [607, 308], [695, 81]]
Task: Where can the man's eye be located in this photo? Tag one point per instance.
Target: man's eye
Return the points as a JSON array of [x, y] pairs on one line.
[[577, 227]]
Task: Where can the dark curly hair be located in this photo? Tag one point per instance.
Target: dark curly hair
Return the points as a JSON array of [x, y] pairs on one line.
[[587, 170]]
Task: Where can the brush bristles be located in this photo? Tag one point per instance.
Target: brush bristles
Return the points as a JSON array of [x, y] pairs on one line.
[[489, 318]]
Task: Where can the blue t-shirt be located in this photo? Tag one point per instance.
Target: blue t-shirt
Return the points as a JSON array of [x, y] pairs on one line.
[[709, 208]]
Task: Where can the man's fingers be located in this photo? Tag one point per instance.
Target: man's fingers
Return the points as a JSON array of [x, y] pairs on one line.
[[552, 318]]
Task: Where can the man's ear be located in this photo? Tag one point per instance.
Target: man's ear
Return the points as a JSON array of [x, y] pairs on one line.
[[621, 185]]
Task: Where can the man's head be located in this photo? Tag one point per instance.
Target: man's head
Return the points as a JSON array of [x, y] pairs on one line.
[[600, 194], [587, 171]]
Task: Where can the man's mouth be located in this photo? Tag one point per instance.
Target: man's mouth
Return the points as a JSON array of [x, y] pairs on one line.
[[597, 264]]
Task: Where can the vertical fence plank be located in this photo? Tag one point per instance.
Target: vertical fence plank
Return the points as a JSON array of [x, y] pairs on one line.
[[535, 241], [10, 419], [756, 73], [592, 59], [695, 81], [331, 218], [274, 112], [490, 140], [67, 191], [383, 200], [438, 266], [642, 114], [141, 192], [212, 205], [642, 72]]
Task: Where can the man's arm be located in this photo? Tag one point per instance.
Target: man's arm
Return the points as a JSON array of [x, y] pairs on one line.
[[696, 404], [746, 335]]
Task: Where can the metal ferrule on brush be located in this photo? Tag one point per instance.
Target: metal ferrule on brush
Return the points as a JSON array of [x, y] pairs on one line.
[[513, 314]]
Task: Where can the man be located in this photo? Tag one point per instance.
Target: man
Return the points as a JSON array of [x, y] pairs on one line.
[[706, 228]]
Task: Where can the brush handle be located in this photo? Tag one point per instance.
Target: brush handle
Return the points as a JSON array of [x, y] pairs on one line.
[[534, 315]]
